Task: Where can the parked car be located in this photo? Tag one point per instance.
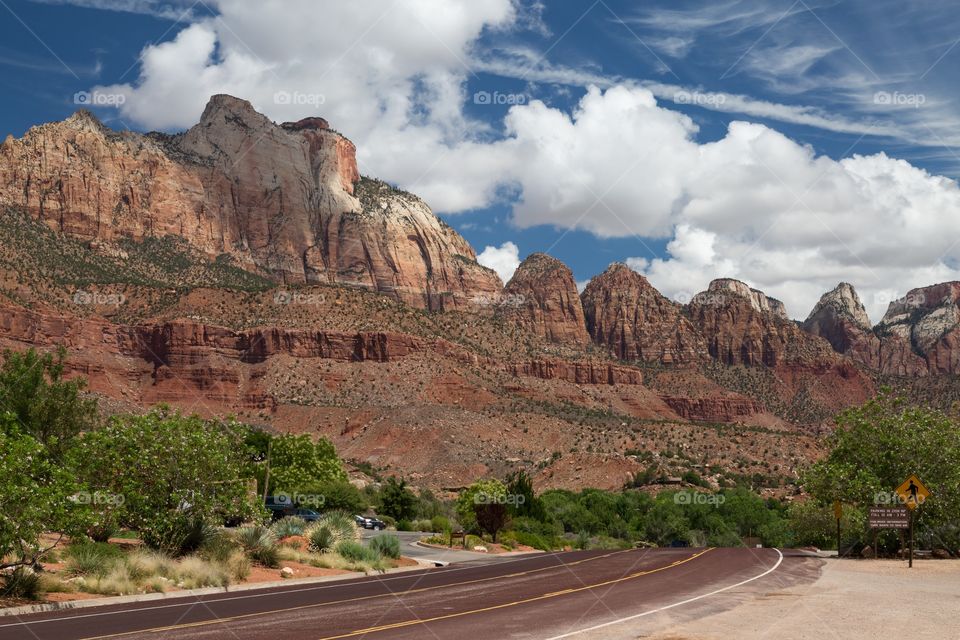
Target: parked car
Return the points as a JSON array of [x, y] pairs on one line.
[[307, 514], [368, 522]]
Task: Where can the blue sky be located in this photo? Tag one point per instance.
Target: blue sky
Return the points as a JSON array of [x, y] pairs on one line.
[[789, 144]]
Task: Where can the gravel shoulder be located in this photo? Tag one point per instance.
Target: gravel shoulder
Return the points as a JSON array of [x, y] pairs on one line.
[[851, 599]]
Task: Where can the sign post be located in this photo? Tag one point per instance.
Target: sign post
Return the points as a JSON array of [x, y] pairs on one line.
[[912, 493], [838, 513]]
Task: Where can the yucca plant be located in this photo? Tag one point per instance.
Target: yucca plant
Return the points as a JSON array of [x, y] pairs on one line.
[[331, 529], [289, 526], [259, 543]]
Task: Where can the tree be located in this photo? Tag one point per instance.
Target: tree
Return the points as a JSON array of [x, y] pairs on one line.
[[491, 517], [479, 493], [296, 462], [396, 500], [36, 495], [166, 475], [524, 501], [48, 407], [879, 444]]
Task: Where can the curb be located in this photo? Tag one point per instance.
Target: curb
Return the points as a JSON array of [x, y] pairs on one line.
[[186, 593]]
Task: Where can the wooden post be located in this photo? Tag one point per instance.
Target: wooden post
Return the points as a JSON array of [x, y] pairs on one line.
[[838, 537]]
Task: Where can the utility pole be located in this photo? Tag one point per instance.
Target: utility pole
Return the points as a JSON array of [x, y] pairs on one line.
[[266, 477]]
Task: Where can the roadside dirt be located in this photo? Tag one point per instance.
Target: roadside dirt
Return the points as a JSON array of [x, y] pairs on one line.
[[851, 599]]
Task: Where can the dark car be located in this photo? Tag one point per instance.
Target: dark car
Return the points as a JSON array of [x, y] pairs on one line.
[[306, 514], [368, 522]]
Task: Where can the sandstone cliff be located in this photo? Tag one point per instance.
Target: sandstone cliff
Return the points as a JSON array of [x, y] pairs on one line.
[[285, 200], [628, 316], [542, 297]]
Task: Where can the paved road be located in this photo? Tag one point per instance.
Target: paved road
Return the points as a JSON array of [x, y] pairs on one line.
[[538, 596], [431, 554]]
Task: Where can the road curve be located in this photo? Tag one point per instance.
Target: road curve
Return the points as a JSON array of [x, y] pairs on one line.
[[542, 596]]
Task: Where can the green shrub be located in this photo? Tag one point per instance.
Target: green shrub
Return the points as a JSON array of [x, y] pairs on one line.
[[355, 551], [259, 543], [386, 545], [22, 583], [92, 558], [404, 525], [218, 547], [330, 530], [439, 524], [289, 526]]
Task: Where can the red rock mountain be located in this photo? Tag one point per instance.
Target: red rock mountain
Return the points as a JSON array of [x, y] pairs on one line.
[[635, 322], [542, 297], [918, 335], [286, 200]]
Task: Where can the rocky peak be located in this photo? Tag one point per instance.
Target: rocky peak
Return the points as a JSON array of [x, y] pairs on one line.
[[625, 313], [306, 123], [542, 297], [279, 200], [924, 316], [840, 318], [758, 300]]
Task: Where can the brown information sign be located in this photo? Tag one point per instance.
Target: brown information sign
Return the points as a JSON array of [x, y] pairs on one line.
[[889, 518]]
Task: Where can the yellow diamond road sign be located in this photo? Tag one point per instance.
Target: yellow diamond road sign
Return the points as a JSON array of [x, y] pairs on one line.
[[837, 509], [913, 492]]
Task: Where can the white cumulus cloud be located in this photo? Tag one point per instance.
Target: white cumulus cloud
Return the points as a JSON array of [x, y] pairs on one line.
[[503, 259]]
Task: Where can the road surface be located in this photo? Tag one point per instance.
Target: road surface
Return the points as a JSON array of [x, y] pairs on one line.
[[537, 596], [409, 548]]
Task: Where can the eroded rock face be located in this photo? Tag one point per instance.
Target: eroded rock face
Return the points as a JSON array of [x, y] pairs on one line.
[[841, 319], [743, 326], [542, 297], [923, 330], [625, 313], [286, 200]]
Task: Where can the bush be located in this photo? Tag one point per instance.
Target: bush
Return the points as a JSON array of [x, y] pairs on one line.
[[92, 558], [259, 543], [355, 551], [288, 526], [386, 546], [218, 547], [22, 583], [439, 524], [331, 529], [404, 525]]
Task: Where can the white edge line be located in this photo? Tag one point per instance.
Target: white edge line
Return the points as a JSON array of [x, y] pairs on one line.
[[671, 606], [268, 592]]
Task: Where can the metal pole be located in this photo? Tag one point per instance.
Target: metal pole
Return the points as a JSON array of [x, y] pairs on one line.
[[911, 539]]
